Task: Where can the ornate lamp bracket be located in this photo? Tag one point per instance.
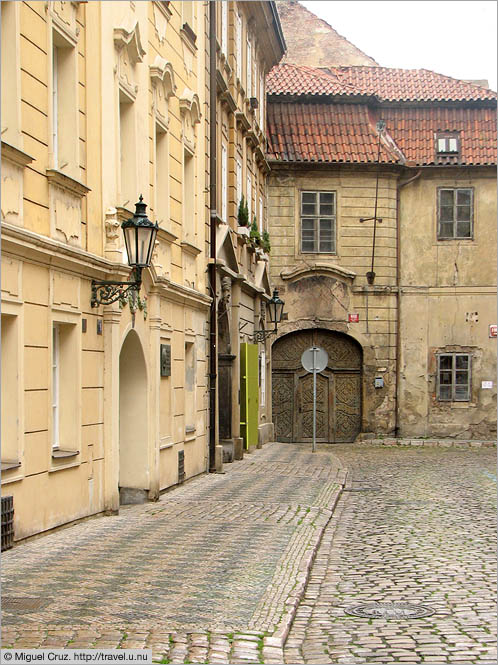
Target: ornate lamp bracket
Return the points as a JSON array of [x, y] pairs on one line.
[[107, 292]]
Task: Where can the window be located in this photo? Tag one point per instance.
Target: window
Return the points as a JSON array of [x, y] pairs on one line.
[[11, 75], [455, 213], [127, 149], [65, 383], [162, 175], [238, 45], [188, 195], [224, 174], [447, 143], [10, 424], [249, 68], [318, 222], [190, 383], [453, 377], [249, 196], [224, 27], [65, 142], [239, 180]]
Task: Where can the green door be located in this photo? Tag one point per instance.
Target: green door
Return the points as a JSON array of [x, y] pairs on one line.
[[249, 394]]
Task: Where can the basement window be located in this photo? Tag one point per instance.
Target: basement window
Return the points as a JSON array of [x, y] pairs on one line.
[[453, 377]]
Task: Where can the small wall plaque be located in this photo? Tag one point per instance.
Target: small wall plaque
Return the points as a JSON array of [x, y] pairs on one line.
[[353, 318], [487, 385], [165, 359], [493, 330]]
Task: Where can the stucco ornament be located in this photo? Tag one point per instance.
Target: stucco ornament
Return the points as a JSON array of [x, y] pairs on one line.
[[190, 110], [112, 228], [226, 290], [163, 87], [129, 52]]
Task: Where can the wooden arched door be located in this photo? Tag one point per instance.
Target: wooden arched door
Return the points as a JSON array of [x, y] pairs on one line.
[[338, 388]]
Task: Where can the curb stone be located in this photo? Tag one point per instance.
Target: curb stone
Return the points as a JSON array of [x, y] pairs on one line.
[[279, 636]]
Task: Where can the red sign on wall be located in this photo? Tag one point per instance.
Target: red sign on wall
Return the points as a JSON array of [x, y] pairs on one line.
[[353, 318], [493, 330]]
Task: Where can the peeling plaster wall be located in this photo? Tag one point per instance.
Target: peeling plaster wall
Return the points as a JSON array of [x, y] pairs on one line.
[[318, 297], [448, 301]]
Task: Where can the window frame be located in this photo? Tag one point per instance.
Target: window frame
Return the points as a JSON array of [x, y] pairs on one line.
[[455, 222], [453, 371], [317, 223], [447, 137]]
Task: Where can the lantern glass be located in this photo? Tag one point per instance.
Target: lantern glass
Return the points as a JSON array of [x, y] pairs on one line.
[[276, 308], [140, 237]]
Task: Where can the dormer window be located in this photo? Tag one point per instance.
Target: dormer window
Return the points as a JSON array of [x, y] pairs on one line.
[[447, 143]]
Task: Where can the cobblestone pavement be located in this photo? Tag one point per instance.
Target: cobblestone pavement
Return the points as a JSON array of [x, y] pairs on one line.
[[210, 573], [424, 533]]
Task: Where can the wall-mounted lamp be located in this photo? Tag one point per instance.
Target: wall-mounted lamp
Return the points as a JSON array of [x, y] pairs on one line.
[[275, 310], [140, 237]]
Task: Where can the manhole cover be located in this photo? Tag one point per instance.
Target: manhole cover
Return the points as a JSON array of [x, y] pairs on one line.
[[390, 611], [26, 604]]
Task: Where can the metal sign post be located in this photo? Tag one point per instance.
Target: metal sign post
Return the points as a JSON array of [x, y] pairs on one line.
[[314, 360]]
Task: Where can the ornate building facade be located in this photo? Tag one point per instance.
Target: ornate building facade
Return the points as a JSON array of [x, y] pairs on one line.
[[110, 404]]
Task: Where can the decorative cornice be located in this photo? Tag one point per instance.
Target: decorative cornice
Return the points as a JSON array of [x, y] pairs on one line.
[[332, 269], [227, 98], [167, 236], [242, 120], [67, 183], [161, 71], [188, 248], [14, 155], [130, 38], [189, 102]]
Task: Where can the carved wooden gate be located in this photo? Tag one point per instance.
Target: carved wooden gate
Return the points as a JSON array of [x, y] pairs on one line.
[[338, 388]]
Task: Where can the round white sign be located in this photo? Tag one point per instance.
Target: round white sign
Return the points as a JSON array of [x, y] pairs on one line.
[[314, 359]]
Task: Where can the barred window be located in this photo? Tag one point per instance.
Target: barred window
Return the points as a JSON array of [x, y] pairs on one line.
[[453, 377], [455, 212], [318, 214]]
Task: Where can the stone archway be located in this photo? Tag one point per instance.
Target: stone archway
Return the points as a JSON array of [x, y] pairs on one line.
[[133, 422], [338, 388]]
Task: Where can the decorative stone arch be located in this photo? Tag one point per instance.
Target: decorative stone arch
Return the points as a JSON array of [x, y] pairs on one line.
[[163, 88], [339, 387]]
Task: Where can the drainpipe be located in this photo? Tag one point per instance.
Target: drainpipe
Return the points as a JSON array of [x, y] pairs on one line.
[[212, 227], [398, 293]]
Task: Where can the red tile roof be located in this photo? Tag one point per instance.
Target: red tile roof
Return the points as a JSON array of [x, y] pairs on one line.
[[312, 116], [342, 132], [322, 132], [394, 85]]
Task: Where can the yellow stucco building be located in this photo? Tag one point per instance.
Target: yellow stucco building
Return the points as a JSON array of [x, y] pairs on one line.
[[108, 101]]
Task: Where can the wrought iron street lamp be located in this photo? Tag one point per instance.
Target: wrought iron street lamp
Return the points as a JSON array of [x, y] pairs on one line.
[[140, 237], [276, 311]]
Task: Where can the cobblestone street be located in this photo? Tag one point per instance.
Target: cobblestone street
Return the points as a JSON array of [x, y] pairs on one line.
[[420, 528], [216, 570]]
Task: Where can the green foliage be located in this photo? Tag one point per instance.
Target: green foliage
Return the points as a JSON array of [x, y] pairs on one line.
[[265, 243], [254, 233], [243, 212]]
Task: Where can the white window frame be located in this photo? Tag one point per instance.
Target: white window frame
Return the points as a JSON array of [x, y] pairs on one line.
[[55, 105], [249, 67], [238, 45], [314, 223], [249, 195], [55, 385], [224, 182], [238, 166], [261, 214], [224, 27]]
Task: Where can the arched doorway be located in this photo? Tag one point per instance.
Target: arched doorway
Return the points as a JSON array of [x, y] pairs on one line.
[[338, 388], [133, 432]]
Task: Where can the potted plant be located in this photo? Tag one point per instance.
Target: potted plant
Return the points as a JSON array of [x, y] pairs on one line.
[[243, 213], [265, 242], [254, 234]]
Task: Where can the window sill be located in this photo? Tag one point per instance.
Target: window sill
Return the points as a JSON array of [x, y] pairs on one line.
[[62, 453], [8, 465], [67, 183]]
